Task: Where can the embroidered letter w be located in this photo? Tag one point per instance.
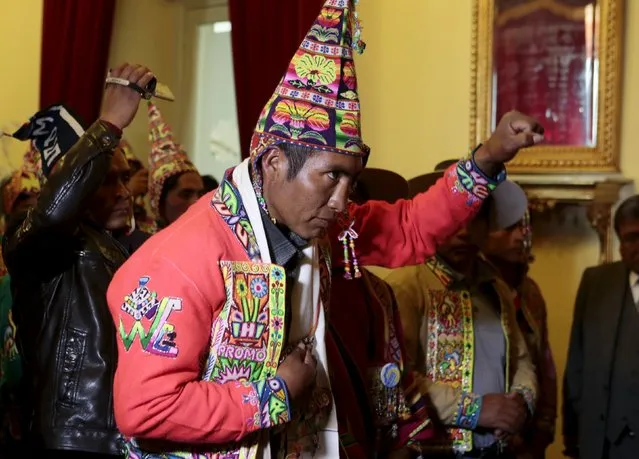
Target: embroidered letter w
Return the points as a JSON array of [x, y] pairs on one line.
[[160, 337]]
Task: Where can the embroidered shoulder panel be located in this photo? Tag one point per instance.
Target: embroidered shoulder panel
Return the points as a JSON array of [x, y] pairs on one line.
[[228, 203], [450, 353], [247, 336]]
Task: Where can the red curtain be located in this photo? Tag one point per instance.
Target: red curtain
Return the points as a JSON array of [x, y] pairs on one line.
[[265, 35], [76, 35]]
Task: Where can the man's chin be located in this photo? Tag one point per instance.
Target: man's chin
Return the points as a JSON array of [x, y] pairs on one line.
[[117, 224], [309, 233]]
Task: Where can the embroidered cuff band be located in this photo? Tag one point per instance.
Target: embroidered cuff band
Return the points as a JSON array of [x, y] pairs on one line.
[[473, 179], [468, 411], [274, 405]]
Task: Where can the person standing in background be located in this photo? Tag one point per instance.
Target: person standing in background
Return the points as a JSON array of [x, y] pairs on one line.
[[19, 192], [458, 320], [174, 182], [509, 251], [139, 187], [601, 401], [61, 255]]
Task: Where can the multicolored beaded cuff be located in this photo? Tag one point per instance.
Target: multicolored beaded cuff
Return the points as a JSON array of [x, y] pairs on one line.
[[474, 180], [273, 399], [468, 411]]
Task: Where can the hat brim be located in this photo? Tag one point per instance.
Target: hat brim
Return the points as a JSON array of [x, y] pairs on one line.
[[509, 205], [382, 185]]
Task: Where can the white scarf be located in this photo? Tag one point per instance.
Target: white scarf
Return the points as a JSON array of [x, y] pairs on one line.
[[305, 298]]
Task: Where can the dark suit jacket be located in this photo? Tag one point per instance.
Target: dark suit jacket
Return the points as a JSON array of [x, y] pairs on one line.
[[591, 353]]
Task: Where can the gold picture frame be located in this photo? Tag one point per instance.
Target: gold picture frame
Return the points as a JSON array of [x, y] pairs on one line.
[[603, 155]]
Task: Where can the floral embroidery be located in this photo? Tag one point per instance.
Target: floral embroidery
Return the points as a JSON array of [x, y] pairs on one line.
[[240, 288], [350, 125], [276, 323], [320, 76], [348, 76], [324, 34], [244, 345], [299, 115], [318, 71], [329, 17], [450, 353], [259, 287]]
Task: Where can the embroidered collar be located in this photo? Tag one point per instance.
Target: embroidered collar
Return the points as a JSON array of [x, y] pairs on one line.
[[450, 278]]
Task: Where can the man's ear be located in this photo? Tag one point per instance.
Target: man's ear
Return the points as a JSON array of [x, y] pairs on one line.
[[274, 164]]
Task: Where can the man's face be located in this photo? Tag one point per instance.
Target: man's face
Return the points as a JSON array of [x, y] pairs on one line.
[[462, 249], [188, 189], [507, 244], [629, 244], [310, 202], [110, 207]]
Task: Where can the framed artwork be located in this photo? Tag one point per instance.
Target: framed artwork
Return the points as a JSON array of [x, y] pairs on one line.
[[559, 61]]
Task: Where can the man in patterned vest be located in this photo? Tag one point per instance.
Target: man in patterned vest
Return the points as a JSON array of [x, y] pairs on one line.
[[221, 316], [509, 251], [461, 332]]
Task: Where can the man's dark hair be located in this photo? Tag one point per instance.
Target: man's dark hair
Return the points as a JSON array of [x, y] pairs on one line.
[[484, 210], [169, 184], [209, 183], [297, 155], [627, 211]]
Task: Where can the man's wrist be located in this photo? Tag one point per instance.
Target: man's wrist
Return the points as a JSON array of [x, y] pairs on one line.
[[112, 127], [482, 158]]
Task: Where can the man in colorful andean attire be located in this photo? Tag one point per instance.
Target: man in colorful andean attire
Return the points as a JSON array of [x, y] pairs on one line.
[[461, 333], [221, 316]]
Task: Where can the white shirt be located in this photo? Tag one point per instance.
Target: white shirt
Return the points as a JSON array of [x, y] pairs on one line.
[[634, 287]]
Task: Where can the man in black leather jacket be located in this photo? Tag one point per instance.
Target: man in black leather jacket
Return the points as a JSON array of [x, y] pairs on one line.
[[61, 256]]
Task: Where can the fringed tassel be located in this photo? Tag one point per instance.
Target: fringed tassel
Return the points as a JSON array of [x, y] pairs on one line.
[[357, 44], [351, 264]]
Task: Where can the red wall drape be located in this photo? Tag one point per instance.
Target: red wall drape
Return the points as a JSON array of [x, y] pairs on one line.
[[76, 35], [265, 35]]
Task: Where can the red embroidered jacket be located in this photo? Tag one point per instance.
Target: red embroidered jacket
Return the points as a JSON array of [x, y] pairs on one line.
[[165, 398]]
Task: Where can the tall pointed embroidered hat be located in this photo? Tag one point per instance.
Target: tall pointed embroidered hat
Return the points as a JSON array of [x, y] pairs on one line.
[[25, 180], [167, 157], [316, 103]]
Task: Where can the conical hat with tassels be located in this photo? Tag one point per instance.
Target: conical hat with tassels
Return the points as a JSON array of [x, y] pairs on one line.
[[167, 157], [316, 103]]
